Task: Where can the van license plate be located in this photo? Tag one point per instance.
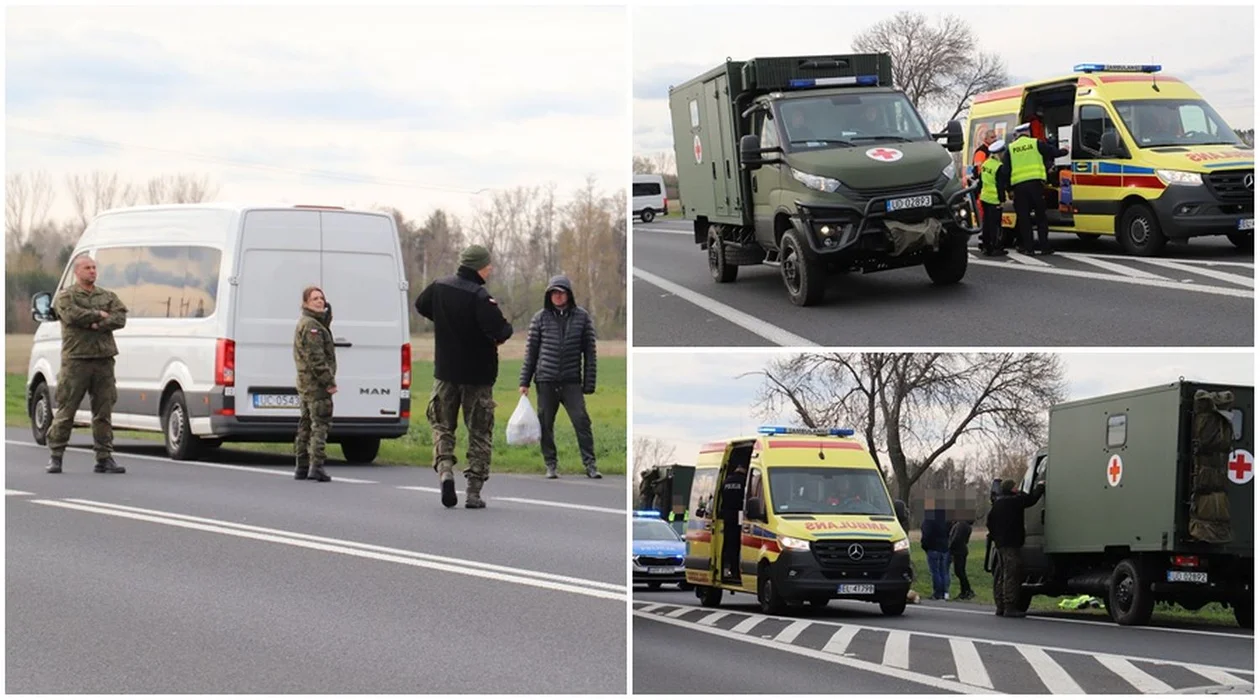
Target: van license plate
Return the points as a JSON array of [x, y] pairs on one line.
[[277, 401], [856, 589], [923, 202], [1246, 224], [660, 569], [1187, 577]]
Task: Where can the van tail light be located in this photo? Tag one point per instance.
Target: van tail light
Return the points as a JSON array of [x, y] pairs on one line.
[[406, 365], [225, 362], [1186, 560]]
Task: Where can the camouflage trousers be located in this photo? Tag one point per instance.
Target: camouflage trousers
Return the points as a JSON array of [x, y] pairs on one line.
[[312, 433], [1008, 574], [478, 404], [94, 377]]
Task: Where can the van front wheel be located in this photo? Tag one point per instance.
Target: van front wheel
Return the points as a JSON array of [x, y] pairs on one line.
[[803, 273], [710, 596], [768, 595], [181, 444], [360, 450], [1140, 233], [893, 607], [41, 414]]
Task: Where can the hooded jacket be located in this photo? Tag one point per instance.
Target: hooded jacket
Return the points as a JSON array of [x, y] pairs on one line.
[[561, 344]]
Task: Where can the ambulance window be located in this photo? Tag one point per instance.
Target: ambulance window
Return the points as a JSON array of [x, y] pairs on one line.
[[1194, 119], [1117, 430], [769, 133], [695, 114], [754, 487], [1236, 417], [1094, 122]]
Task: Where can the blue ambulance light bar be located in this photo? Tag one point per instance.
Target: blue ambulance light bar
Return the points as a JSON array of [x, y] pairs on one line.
[[781, 430], [647, 514], [859, 80], [1116, 68]]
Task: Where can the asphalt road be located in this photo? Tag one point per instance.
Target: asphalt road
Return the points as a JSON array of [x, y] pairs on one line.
[[231, 577], [1089, 294], [934, 647]]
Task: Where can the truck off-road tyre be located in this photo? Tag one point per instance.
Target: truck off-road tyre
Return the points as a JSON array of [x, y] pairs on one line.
[[804, 275], [180, 442], [949, 264], [1089, 237], [892, 607], [1129, 598], [1244, 612], [647, 216], [768, 595], [1023, 601], [710, 596], [360, 450], [723, 272], [41, 413], [1242, 240], [1140, 233]]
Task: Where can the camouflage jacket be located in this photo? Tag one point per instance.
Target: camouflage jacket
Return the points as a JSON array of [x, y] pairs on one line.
[[314, 354], [79, 310]]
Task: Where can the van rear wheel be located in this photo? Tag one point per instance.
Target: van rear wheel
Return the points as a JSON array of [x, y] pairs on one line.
[[720, 268], [710, 596], [360, 450], [181, 444], [647, 216]]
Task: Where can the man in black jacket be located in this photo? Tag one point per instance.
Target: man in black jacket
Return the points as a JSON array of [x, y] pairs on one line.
[[560, 358], [1006, 527], [468, 330], [732, 505], [959, 541]]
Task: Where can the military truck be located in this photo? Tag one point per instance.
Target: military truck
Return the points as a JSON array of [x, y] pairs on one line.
[[1148, 498], [665, 489], [818, 165]]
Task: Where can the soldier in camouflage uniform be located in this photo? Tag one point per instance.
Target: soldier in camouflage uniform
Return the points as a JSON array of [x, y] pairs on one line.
[[315, 356], [89, 316], [468, 330]]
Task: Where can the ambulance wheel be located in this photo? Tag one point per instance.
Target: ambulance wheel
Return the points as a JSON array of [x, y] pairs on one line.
[[893, 607], [723, 272], [709, 596], [647, 216], [949, 264], [803, 273], [767, 595], [1244, 612], [1140, 233], [1243, 240], [1129, 600], [1089, 237]]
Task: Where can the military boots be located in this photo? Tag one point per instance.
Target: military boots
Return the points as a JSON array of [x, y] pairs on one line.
[[472, 496], [108, 466], [317, 473], [551, 472], [54, 465], [303, 468]]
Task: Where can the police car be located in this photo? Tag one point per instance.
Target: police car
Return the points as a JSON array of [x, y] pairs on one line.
[[658, 551]]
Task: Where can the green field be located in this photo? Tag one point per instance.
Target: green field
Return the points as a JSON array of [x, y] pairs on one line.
[[982, 584], [607, 408], [675, 210]]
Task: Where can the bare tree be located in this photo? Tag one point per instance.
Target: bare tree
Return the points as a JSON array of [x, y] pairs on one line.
[[664, 162], [935, 64], [98, 192], [642, 165], [916, 407], [651, 452], [28, 197], [180, 188]]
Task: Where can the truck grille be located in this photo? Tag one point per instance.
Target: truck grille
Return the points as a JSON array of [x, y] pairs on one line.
[[659, 561], [888, 192], [1231, 185], [834, 555]]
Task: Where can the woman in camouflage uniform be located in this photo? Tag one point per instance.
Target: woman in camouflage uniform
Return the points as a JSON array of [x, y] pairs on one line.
[[316, 360]]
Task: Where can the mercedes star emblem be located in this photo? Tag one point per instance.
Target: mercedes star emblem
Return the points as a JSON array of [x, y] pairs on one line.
[[1249, 181], [856, 552]]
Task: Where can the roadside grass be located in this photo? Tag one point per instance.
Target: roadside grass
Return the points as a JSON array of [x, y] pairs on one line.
[[675, 210], [607, 408], [982, 584]]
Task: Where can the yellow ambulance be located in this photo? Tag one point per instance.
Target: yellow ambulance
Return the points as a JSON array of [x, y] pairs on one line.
[[1148, 159], [817, 523]]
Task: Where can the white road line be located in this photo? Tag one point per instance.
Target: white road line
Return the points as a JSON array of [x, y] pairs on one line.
[[429, 489], [839, 642], [1052, 675], [651, 608], [1230, 277], [897, 649], [792, 631], [557, 504], [712, 618], [1113, 267], [679, 612], [1095, 277], [11, 492], [967, 660], [317, 539], [747, 625], [1134, 676], [1217, 676], [1026, 259], [1102, 623], [749, 323], [911, 676], [1187, 261], [231, 467]]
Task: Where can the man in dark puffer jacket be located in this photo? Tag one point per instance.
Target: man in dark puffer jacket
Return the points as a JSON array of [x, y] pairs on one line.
[[560, 357]]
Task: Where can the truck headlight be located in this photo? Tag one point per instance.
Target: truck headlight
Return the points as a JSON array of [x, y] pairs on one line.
[[1179, 177], [902, 545], [816, 182], [793, 543], [948, 172]]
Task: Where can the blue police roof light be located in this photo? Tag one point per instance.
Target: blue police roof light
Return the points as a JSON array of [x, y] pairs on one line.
[[859, 80], [781, 430], [647, 514], [1116, 68]]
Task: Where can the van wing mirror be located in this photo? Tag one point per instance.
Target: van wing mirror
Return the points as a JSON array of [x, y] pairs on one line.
[[750, 151], [903, 515], [42, 309], [953, 136]]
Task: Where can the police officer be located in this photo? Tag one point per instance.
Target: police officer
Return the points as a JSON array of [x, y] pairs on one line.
[[1006, 527], [732, 505], [315, 356], [468, 330], [1026, 163], [993, 188], [89, 315]]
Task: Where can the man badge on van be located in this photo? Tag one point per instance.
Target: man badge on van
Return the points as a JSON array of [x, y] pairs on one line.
[[366, 391]]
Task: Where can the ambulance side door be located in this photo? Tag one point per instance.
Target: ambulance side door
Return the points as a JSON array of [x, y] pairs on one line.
[[754, 517], [1096, 180]]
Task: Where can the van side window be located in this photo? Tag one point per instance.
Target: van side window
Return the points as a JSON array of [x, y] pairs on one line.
[[175, 282], [769, 132], [1117, 430], [116, 271], [1236, 417], [201, 282], [1093, 123], [646, 189]]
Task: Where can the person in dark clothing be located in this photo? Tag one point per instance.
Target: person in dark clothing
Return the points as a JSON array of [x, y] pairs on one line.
[[468, 330], [936, 545], [959, 540], [1006, 527], [1025, 168], [560, 358], [732, 506]]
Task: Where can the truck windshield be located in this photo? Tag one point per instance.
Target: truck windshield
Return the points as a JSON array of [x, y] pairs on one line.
[[1154, 123], [828, 491], [836, 121]]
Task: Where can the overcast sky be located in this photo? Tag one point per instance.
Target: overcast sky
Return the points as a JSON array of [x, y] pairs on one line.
[[669, 49], [687, 399], [463, 99]]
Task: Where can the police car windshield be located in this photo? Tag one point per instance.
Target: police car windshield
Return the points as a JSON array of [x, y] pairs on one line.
[[828, 491], [1154, 123], [654, 530], [834, 121]]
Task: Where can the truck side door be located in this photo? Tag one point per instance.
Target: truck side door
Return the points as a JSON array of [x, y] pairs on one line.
[[765, 181], [1035, 561]]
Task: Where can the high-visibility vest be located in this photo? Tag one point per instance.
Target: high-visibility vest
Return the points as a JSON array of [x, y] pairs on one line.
[[988, 181], [1026, 161]]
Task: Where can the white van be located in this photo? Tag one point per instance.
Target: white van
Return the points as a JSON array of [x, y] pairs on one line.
[[648, 197], [214, 292]]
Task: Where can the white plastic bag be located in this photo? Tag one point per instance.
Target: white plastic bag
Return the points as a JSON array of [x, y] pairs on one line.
[[523, 427]]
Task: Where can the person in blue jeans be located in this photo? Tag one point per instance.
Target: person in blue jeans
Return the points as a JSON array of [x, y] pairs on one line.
[[935, 542]]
